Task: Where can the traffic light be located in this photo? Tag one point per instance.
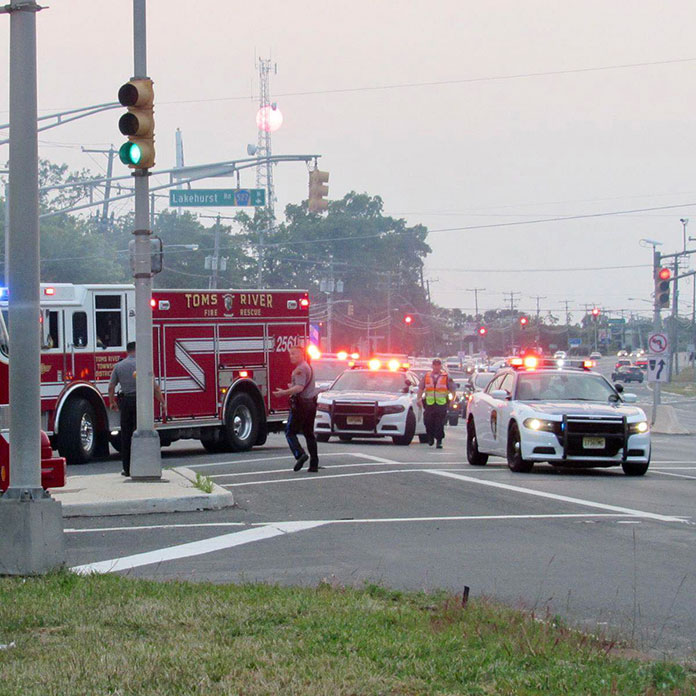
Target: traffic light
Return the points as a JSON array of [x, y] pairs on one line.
[[524, 321], [408, 319], [595, 313], [662, 282], [318, 189], [138, 124], [482, 331]]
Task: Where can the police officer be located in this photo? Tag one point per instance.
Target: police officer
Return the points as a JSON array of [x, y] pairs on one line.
[[436, 386], [124, 374], [303, 409]]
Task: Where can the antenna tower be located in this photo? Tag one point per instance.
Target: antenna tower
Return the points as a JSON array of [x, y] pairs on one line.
[[264, 170]]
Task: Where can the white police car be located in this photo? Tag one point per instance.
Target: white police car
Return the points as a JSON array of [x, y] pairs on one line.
[[535, 411], [371, 402]]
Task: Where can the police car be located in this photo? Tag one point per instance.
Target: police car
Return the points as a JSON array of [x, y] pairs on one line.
[[535, 411], [376, 400]]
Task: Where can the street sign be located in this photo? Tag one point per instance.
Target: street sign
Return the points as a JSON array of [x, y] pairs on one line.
[[217, 198], [658, 343], [574, 342], [658, 368]]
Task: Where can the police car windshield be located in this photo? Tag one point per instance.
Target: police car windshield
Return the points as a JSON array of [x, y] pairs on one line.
[[327, 370], [370, 381], [563, 386]]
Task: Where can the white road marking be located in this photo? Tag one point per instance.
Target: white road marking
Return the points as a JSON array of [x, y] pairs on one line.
[[555, 496], [318, 477], [360, 455], [194, 548], [668, 473], [366, 520]]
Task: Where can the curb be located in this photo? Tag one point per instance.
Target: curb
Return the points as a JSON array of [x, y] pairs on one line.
[[217, 500]]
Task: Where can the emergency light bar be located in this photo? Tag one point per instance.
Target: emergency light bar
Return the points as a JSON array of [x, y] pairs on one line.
[[532, 362]]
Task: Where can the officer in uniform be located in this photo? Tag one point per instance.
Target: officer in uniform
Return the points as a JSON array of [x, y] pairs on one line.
[[436, 386], [124, 374], [303, 409]]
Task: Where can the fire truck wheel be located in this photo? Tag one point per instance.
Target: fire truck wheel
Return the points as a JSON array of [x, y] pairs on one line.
[[242, 422], [115, 441], [215, 442], [77, 438]]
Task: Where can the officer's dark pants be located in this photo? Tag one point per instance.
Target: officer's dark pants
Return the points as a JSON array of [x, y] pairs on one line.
[[434, 419], [301, 420], [128, 425]]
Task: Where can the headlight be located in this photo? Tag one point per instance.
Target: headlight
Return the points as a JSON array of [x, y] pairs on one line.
[[323, 407], [396, 408], [638, 428], [539, 424]]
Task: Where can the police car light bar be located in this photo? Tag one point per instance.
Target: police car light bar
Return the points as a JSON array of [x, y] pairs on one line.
[[532, 362]]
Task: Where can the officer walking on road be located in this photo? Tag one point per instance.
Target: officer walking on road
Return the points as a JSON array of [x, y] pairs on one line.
[[124, 374], [436, 386], [303, 409]]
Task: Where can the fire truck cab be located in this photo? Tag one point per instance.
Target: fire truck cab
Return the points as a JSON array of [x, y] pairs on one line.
[[218, 356]]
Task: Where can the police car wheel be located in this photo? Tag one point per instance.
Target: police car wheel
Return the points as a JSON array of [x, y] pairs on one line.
[[634, 468], [322, 437], [77, 439], [473, 456], [409, 431], [453, 420], [242, 422], [514, 452]]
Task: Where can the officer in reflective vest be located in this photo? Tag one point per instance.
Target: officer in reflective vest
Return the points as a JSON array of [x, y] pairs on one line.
[[436, 387]]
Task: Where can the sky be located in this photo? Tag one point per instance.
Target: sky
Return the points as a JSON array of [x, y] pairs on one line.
[[485, 143]]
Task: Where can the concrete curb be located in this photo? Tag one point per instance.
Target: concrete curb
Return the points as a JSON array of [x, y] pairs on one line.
[[217, 500], [667, 422]]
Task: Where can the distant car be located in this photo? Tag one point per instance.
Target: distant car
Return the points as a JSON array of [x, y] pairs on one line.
[[642, 363], [566, 417], [595, 355], [560, 355], [371, 403], [622, 362], [628, 373], [638, 353]]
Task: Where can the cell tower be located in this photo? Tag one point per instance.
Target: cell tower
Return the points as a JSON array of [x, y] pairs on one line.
[[264, 170]]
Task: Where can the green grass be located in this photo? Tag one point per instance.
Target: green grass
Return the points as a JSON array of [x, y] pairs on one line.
[[203, 483], [682, 384], [109, 635]]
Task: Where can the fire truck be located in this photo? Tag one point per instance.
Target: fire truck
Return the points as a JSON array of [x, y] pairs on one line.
[[218, 357]]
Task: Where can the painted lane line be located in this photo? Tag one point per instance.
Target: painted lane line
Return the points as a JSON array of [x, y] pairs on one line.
[[555, 496], [371, 520], [80, 530], [194, 548], [318, 477], [373, 458], [289, 456], [673, 468], [669, 473]]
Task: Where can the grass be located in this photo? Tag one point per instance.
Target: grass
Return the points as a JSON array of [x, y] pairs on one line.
[[682, 384], [110, 635], [203, 483]]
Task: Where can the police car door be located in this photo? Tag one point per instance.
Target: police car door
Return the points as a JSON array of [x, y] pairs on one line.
[[502, 408], [483, 416]]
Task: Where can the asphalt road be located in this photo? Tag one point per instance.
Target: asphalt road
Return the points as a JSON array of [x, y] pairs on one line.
[[608, 552]]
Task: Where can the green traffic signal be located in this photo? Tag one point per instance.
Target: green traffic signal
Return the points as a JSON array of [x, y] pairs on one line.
[[130, 153]]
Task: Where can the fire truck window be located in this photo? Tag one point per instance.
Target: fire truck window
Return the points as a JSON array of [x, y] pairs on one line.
[[50, 338], [108, 321], [79, 329]]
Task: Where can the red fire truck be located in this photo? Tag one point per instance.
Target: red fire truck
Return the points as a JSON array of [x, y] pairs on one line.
[[218, 356]]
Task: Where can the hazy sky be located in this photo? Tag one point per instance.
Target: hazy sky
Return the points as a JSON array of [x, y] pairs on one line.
[[450, 155]]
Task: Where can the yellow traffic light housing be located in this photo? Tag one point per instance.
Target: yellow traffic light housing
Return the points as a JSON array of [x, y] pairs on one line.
[[138, 124], [318, 189]]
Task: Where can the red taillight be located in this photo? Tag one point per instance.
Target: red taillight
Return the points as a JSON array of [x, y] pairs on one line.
[[304, 303], [49, 291], [153, 303], [589, 364], [243, 373]]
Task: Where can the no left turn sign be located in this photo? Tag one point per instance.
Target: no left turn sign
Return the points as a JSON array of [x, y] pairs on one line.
[[658, 343]]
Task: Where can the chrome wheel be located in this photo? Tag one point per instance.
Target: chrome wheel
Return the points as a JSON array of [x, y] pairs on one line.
[[242, 422], [86, 432]]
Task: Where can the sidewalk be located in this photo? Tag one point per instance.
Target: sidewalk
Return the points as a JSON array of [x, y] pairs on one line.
[[103, 494]]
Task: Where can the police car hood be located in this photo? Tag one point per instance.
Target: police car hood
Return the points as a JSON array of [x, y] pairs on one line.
[[582, 408], [330, 396]]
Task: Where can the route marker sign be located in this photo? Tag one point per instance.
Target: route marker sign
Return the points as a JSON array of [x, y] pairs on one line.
[[217, 198], [658, 343], [658, 368]]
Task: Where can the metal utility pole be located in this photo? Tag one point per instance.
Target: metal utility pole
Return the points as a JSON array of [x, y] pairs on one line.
[[146, 457], [216, 257], [538, 299], [657, 325], [111, 153], [476, 291], [264, 170], [32, 539], [674, 365], [389, 312]]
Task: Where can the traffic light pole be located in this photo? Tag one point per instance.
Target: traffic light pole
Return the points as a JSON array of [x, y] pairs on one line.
[[657, 325], [31, 521], [146, 457]]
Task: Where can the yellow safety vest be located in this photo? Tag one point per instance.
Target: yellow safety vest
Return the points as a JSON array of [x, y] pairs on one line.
[[436, 392]]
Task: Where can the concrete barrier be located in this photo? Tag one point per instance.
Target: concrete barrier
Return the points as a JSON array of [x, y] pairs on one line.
[[665, 422]]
